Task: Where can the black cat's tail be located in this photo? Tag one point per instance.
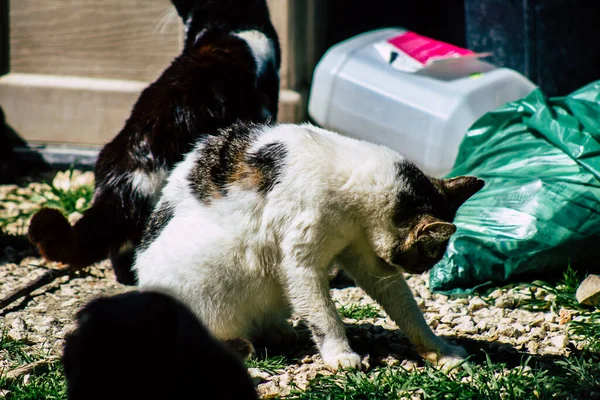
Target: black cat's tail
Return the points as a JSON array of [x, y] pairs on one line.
[[101, 229]]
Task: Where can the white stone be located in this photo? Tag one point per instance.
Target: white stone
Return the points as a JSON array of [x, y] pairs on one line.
[[505, 302], [467, 327], [476, 304], [560, 341], [523, 339], [482, 325], [537, 332], [551, 350], [507, 330], [520, 327]]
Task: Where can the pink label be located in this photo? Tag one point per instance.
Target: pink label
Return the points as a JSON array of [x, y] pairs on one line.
[[424, 49]]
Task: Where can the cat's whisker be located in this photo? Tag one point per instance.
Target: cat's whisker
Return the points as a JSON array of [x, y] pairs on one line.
[[398, 276], [383, 277], [168, 16]]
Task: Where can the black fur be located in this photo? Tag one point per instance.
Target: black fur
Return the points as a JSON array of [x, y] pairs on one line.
[[157, 221], [269, 160], [211, 85], [148, 346], [419, 195]]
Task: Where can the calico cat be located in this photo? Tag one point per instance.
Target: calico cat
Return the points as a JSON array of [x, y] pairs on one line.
[[148, 346], [228, 70], [249, 223]]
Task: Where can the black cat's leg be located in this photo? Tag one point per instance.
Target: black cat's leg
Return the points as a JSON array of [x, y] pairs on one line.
[[122, 260]]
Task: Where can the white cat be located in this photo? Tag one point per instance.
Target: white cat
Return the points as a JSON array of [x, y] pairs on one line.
[[250, 222]]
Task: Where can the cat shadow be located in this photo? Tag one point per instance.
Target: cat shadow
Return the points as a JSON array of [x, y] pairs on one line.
[[15, 164], [14, 248], [380, 343]]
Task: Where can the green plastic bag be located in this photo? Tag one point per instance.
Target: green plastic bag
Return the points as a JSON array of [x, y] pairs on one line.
[[540, 207]]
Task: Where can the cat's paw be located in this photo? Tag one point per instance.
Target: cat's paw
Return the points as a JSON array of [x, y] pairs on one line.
[[343, 361], [445, 358]]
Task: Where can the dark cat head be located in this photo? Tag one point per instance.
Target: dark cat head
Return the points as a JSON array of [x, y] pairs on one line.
[[421, 225], [242, 20], [143, 345], [226, 15]]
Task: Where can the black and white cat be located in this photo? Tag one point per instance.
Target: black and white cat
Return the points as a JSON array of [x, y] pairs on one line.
[[249, 223], [228, 70], [148, 346]]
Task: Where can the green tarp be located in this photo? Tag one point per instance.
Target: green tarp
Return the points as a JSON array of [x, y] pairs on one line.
[[540, 207]]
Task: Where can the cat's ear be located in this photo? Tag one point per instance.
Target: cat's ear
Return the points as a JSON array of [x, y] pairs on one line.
[[438, 231], [184, 7], [459, 189], [434, 235]]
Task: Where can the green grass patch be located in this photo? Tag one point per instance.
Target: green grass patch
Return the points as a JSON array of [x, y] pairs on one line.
[[486, 381], [44, 382], [587, 328], [13, 351], [270, 365], [359, 312]]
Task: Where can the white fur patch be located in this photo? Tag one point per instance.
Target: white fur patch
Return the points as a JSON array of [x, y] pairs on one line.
[[148, 184], [261, 46]]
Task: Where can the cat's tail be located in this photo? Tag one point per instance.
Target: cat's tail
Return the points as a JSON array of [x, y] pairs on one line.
[[90, 240]]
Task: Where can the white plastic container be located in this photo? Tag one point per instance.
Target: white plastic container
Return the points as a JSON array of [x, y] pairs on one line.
[[423, 115]]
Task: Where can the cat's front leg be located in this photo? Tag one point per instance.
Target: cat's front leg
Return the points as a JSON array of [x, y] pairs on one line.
[[308, 289], [392, 292]]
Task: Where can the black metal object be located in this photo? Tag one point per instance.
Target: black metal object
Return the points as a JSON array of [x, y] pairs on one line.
[[439, 19], [552, 42]]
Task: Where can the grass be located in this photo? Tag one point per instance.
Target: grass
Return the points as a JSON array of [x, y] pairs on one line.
[[270, 365], [13, 351], [46, 382], [587, 326], [486, 381], [358, 312]]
